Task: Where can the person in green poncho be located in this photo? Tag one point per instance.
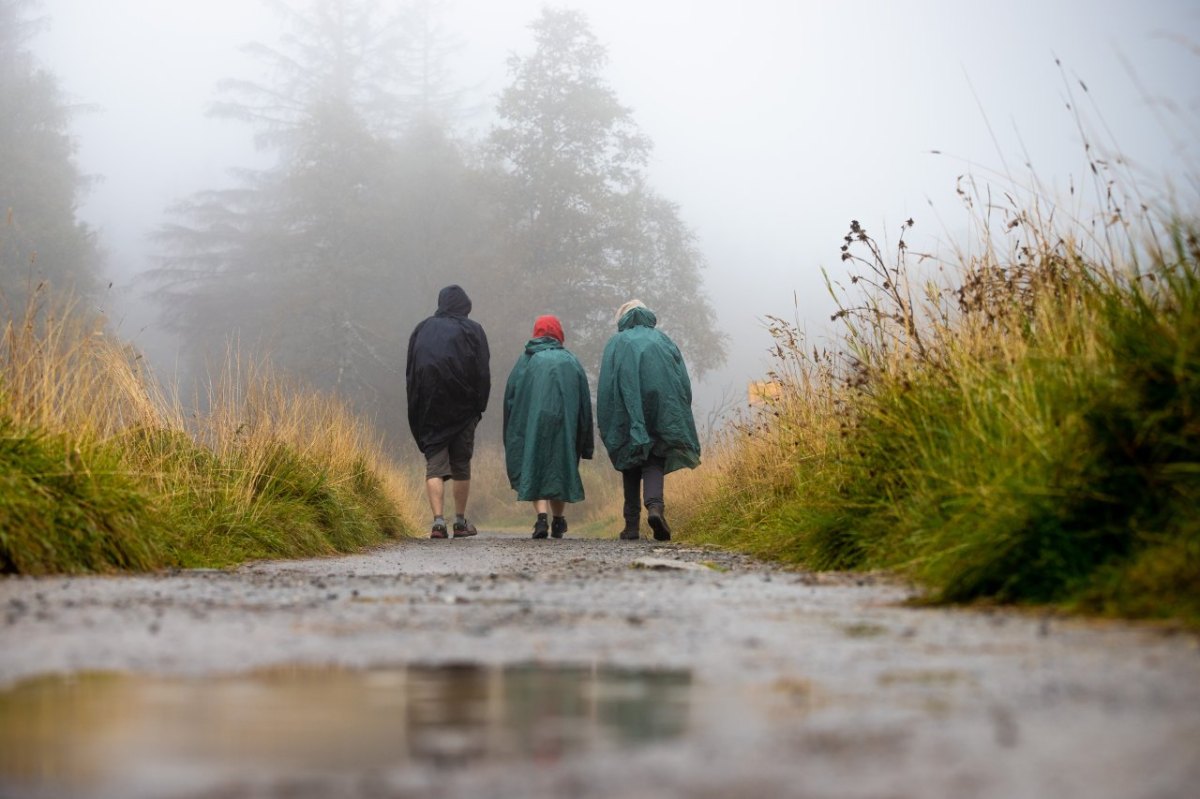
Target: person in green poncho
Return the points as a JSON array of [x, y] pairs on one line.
[[547, 426], [644, 409]]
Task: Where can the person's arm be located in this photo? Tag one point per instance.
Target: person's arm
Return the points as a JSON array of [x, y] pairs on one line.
[[510, 395], [410, 383], [585, 440], [408, 363], [483, 357]]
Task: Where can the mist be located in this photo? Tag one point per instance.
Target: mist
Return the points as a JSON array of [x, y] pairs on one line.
[[773, 125]]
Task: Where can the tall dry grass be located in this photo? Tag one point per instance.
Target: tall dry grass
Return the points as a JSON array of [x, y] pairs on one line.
[[61, 371], [105, 469], [1017, 422]]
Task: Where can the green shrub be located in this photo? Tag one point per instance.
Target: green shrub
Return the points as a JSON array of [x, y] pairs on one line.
[[69, 508], [1040, 443]]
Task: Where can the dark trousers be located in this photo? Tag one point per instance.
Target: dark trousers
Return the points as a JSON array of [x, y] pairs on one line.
[[646, 480]]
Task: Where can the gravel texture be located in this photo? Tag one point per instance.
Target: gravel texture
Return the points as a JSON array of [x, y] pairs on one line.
[[804, 685]]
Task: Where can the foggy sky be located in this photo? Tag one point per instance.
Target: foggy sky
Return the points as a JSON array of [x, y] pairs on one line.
[[774, 123]]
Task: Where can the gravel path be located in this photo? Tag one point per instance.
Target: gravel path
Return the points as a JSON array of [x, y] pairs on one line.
[[785, 683]]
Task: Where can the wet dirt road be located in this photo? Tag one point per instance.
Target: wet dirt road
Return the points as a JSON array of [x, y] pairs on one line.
[[504, 667]]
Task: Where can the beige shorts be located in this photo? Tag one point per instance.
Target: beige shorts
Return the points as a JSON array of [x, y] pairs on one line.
[[453, 462]]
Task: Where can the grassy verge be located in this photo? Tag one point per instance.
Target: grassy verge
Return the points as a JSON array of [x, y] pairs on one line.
[[1021, 425], [101, 471]]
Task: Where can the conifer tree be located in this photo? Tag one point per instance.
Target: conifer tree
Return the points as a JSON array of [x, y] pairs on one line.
[[41, 237], [583, 229], [321, 259]]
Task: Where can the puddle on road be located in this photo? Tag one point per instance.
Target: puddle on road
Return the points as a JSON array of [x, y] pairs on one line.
[[137, 735]]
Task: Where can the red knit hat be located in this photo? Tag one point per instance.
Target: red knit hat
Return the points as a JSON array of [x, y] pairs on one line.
[[548, 326]]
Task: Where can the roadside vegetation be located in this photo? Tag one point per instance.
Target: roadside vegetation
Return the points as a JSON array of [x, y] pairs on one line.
[[101, 470], [1019, 422]]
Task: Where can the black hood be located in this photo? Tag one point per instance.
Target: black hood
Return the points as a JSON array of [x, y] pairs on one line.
[[453, 301]]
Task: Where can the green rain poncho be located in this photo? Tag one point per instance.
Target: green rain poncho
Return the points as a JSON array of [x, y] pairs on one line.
[[547, 422], [644, 399]]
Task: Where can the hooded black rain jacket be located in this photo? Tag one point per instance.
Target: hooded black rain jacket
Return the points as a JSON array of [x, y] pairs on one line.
[[447, 374]]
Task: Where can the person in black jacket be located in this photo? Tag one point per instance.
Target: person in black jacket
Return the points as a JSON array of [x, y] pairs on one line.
[[448, 381]]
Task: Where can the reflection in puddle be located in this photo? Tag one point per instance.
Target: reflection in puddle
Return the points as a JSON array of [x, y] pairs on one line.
[[141, 735]]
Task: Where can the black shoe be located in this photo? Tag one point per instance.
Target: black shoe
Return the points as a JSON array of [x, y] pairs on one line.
[[464, 529], [541, 529], [630, 535], [438, 531], [658, 523], [558, 526]]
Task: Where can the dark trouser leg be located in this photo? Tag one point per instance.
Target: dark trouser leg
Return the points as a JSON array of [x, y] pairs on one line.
[[652, 477], [632, 482]]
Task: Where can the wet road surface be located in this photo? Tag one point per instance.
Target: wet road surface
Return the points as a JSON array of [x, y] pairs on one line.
[[501, 667]]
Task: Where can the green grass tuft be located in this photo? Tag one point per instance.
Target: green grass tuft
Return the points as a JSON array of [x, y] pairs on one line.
[[1031, 435], [98, 472], [70, 508]]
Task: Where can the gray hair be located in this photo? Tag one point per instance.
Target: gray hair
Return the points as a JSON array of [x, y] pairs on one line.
[[627, 307]]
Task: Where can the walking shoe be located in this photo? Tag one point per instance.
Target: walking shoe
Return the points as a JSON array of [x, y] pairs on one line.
[[464, 529], [630, 535], [558, 526], [438, 531], [658, 523], [541, 529]]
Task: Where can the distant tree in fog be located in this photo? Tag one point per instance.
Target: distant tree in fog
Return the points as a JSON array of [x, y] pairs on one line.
[[321, 258], [583, 232], [328, 258], [40, 237], [433, 98]]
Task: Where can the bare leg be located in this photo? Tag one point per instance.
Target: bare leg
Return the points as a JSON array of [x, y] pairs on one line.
[[462, 490], [435, 489], [557, 507]]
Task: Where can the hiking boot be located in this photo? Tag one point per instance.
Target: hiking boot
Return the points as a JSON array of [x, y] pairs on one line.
[[558, 526], [541, 529], [658, 523], [630, 535], [464, 529], [438, 531]]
